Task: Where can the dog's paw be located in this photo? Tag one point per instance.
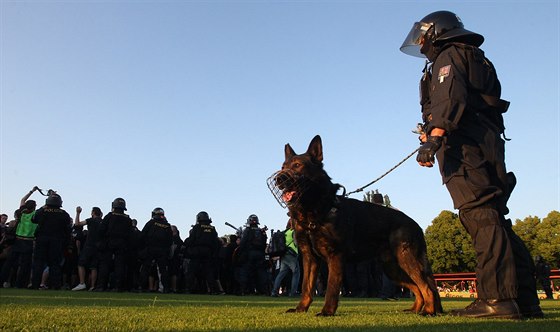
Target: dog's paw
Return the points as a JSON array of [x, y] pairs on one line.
[[324, 314], [428, 313]]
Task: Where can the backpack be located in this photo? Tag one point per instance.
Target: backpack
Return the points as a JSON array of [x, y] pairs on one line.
[[278, 244]]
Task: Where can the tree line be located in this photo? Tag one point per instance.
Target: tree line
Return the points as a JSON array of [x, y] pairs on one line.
[[450, 249]]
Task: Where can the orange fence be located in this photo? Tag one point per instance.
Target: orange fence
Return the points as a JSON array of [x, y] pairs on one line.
[[554, 274], [467, 279], [454, 276]]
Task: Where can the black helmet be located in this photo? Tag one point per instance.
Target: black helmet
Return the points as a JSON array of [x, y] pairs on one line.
[[437, 28], [253, 220], [54, 200], [158, 213], [203, 217], [119, 203]]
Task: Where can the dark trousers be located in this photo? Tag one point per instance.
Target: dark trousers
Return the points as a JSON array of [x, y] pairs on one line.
[[161, 257], [202, 269], [112, 256], [525, 270], [496, 270], [48, 252], [133, 266], [20, 258], [253, 274], [505, 269], [472, 164]]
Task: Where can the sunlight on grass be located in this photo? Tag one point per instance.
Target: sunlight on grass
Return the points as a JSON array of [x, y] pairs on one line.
[[66, 311]]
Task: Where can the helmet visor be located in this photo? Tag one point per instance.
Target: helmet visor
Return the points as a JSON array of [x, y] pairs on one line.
[[413, 42]]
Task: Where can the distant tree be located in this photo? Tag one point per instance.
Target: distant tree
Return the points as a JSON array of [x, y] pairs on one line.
[[449, 245], [526, 229], [547, 241]]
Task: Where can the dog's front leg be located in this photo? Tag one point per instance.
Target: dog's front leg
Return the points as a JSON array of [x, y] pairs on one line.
[[309, 277], [333, 285]]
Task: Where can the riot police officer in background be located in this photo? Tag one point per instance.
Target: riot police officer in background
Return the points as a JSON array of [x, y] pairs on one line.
[[133, 259], [463, 125], [158, 237], [202, 247], [543, 276], [52, 235], [114, 232], [253, 269]]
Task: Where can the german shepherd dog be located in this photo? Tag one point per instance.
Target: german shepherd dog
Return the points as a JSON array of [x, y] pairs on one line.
[[338, 229]]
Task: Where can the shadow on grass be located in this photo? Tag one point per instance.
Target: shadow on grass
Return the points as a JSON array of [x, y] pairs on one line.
[[105, 299]]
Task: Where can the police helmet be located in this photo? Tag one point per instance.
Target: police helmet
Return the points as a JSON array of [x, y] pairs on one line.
[[437, 28], [119, 203], [158, 213], [54, 200], [203, 217], [253, 220]]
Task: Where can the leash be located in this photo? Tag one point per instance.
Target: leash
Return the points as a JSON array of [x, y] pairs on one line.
[[384, 174], [49, 192]]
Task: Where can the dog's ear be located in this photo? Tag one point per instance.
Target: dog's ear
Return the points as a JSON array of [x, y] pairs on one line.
[[288, 152], [315, 148]]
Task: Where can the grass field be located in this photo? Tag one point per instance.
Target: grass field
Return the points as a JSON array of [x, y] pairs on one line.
[[27, 310]]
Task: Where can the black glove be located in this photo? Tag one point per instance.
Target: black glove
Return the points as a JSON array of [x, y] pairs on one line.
[[428, 149]]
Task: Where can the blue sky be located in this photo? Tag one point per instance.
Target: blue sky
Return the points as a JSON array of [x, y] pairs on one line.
[[187, 105]]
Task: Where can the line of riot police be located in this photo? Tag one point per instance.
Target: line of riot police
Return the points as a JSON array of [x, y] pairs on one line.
[[49, 250]]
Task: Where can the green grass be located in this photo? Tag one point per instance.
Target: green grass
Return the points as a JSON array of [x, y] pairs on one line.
[[26, 310]]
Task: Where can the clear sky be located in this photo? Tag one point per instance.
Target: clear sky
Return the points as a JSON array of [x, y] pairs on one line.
[[187, 105]]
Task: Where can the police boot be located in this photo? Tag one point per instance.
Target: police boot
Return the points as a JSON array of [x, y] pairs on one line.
[[531, 311], [506, 309]]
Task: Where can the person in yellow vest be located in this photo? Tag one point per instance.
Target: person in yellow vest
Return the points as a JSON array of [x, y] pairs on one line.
[[22, 249], [288, 262]]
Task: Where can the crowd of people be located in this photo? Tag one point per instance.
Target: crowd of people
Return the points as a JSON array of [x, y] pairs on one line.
[[45, 248]]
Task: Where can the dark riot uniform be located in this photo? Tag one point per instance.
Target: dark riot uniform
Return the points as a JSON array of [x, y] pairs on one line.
[[158, 237], [115, 231], [252, 273], [202, 247], [471, 162], [51, 237]]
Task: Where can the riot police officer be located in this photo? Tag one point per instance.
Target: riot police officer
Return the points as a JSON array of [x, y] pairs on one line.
[[202, 248], [543, 276], [253, 269], [114, 234], [158, 237], [463, 128], [51, 237]]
